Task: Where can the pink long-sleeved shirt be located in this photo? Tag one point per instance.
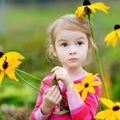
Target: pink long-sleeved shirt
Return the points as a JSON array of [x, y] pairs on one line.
[[79, 109]]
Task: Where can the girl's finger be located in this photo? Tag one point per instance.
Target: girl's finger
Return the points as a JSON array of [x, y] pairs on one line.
[[45, 92], [55, 68], [58, 99], [56, 96], [50, 91], [55, 93], [53, 76]]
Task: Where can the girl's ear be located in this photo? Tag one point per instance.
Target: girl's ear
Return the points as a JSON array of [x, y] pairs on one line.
[[53, 50], [89, 48]]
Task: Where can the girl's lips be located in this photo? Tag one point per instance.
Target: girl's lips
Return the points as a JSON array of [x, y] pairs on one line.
[[73, 59]]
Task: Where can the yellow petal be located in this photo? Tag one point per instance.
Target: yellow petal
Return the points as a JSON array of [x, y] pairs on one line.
[[95, 83], [1, 76], [2, 59], [84, 94], [94, 76], [103, 114], [13, 55], [12, 58], [90, 77], [14, 63], [111, 38], [118, 32], [77, 91], [80, 13], [79, 88], [111, 116], [91, 8], [11, 74], [91, 90], [117, 103], [99, 6], [110, 35], [76, 85], [107, 102], [87, 79], [118, 114]]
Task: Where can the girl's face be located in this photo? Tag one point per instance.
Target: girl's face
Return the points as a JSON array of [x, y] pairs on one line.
[[71, 48]]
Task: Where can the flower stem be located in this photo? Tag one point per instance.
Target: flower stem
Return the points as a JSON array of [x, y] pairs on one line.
[[33, 76], [37, 79], [101, 72], [29, 83], [98, 61], [29, 74], [42, 92]]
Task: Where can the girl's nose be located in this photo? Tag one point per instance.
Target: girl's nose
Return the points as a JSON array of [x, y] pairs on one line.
[[72, 51]]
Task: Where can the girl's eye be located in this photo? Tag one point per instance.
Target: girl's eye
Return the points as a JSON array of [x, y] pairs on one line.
[[64, 44], [79, 42]]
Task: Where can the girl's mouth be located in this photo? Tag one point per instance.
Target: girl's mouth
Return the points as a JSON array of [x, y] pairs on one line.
[[73, 59]]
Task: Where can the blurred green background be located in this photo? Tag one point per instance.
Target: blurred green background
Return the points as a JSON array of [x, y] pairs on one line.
[[23, 28]]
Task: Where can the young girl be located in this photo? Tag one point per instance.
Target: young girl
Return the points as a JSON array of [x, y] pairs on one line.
[[71, 42]]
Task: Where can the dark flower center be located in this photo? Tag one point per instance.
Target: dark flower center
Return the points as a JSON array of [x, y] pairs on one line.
[[86, 2], [115, 108], [86, 85], [117, 26], [5, 64], [87, 10], [1, 54]]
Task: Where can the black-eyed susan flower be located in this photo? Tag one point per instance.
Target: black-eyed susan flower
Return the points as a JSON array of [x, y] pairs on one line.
[[87, 85], [113, 36], [88, 8], [111, 113], [8, 62]]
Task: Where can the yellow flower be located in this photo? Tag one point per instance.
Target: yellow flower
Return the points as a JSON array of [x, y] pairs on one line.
[[112, 113], [112, 37], [88, 8], [87, 85], [8, 62]]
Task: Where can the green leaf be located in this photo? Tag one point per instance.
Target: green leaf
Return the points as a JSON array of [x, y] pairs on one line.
[[61, 112], [54, 82]]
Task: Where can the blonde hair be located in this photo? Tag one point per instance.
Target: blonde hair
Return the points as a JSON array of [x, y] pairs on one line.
[[73, 23]]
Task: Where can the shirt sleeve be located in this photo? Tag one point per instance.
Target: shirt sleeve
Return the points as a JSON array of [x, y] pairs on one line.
[[84, 110], [37, 113]]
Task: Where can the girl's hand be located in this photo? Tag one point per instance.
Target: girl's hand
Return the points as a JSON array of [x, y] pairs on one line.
[[61, 73], [51, 98]]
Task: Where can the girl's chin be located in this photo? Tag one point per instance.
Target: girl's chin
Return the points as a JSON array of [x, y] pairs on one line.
[[74, 66]]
